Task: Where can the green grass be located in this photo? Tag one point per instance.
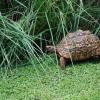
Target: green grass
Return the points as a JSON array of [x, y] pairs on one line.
[[81, 82]]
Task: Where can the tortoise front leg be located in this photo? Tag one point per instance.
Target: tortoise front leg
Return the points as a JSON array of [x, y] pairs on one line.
[[62, 63]]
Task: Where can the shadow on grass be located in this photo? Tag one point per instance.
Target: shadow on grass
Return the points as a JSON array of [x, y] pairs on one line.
[[92, 61]]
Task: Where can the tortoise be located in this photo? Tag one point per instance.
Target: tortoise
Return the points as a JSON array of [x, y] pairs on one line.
[[77, 46]]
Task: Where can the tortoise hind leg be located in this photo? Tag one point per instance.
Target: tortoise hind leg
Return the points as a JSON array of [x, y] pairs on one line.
[[62, 63]]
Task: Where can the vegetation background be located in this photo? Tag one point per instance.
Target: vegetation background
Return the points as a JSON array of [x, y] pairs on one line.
[[28, 25]]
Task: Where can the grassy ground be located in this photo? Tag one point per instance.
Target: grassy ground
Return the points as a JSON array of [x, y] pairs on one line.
[[81, 82]]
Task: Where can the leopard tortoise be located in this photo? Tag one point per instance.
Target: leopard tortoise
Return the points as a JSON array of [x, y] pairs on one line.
[[77, 46]]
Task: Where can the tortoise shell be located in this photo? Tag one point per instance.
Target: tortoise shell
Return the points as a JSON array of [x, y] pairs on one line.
[[79, 45]]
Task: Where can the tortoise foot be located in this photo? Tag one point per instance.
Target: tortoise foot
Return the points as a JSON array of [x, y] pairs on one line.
[[62, 63]]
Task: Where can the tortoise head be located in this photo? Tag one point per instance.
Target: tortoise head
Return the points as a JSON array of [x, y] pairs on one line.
[[50, 48]]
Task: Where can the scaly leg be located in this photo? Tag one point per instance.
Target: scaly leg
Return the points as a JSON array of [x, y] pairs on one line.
[[62, 63]]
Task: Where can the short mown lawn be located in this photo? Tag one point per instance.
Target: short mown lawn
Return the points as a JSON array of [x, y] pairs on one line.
[[78, 82]]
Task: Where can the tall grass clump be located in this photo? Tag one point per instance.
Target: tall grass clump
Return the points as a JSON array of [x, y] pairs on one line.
[[15, 45]]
